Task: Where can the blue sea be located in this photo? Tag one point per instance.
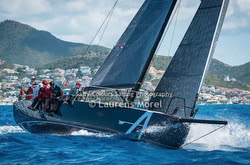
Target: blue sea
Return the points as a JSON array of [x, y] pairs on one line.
[[229, 145]]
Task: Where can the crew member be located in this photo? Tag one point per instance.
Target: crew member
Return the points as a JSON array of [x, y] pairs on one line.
[[33, 80], [29, 93], [22, 93], [73, 93], [44, 95], [35, 95], [57, 95], [75, 89]]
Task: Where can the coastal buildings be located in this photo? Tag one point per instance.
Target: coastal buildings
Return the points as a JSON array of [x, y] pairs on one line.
[[8, 71], [227, 78], [30, 71], [12, 80], [154, 73], [85, 70]]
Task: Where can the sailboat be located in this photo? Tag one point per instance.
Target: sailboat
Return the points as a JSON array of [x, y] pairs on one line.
[[126, 67]]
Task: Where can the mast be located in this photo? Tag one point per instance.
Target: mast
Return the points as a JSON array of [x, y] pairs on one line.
[[138, 85]]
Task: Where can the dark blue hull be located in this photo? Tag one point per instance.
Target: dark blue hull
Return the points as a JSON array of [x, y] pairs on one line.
[[135, 124]]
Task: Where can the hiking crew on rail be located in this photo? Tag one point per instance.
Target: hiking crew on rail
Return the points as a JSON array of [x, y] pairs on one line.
[[48, 96]]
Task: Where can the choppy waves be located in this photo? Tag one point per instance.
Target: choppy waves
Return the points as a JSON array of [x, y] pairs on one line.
[[229, 145]]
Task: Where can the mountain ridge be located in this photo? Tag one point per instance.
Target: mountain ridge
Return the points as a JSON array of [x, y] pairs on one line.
[[23, 44]]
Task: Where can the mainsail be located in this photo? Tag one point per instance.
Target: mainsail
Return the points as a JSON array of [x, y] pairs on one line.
[[127, 60], [186, 71]]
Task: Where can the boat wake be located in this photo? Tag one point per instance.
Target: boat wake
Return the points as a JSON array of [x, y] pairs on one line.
[[87, 133], [16, 129], [10, 129], [231, 137]]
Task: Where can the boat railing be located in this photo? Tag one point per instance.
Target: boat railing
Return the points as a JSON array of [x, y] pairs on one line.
[[23, 97], [185, 106]]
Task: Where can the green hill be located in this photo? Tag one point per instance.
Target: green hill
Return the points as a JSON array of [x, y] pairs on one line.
[[216, 73], [217, 81], [22, 44], [241, 72], [161, 63], [92, 60]]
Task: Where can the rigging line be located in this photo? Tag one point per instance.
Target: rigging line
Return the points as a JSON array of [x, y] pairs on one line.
[[106, 25], [100, 27], [171, 19], [171, 42], [203, 136]]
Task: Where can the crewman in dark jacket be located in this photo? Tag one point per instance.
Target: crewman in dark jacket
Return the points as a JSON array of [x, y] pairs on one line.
[[57, 95]]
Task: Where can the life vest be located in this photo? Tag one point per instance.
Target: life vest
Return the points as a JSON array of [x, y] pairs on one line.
[[48, 93], [22, 92], [30, 93], [44, 93], [41, 94]]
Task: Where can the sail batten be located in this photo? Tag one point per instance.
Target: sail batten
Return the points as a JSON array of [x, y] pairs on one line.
[[186, 71], [129, 56]]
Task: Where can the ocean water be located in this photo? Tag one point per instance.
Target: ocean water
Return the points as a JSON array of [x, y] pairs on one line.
[[229, 145]]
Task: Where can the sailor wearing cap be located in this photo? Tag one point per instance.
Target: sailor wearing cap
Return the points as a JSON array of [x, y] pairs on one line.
[[33, 80]]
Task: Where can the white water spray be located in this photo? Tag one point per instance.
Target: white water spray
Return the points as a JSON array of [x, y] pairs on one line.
[[233, 135], [87, 133], [10, 129]]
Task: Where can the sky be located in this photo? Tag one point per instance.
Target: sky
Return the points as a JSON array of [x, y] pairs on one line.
[[79, 20]]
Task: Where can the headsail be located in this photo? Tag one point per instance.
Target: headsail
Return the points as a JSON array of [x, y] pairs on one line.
[[185, 73], [126, 61]]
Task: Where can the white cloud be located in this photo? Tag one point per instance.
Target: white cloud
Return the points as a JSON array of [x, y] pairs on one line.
[[231, 9], [21, 8], [235, 24], [75, 38], [87, 25], [77, 5], [244, 6], [237, 18], [187, 9]]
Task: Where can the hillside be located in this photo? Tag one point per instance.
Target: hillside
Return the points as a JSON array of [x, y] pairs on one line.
[[92, 60], [217, 81], [217, 72], [161, 63], [96, 59], [241, 72], [22, 44], [4, 65]]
